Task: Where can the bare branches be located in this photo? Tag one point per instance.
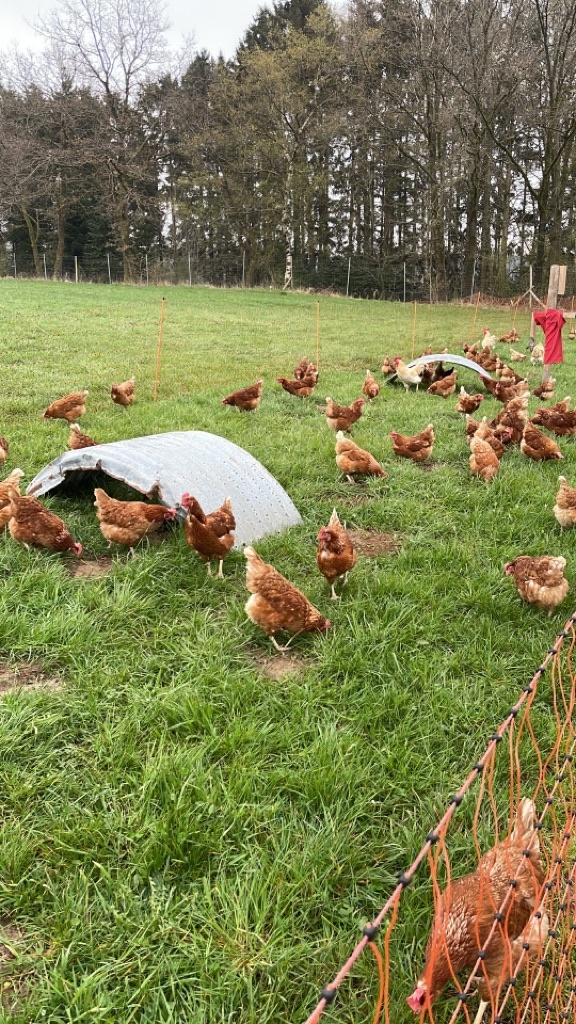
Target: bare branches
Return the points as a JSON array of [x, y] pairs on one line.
[[116, 45]]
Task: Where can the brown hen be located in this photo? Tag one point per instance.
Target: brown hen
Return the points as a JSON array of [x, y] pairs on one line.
[[464, 913], [537, 446], [79, 440], [127, 522], [562, 423], [565, 507], [276, 604], [417, 448], [123, 394], [32, 524], [370, 387], [341, 417], [355, 461], [503, 391], [486, 433], [9, 489], [70, 408], [302, 388], [444, 387], [210, 535], [335, 556], [539, 581], [468, 403], [246, 399], [483, 459]]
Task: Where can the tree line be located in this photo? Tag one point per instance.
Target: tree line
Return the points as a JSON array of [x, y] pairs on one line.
[[424, 139]]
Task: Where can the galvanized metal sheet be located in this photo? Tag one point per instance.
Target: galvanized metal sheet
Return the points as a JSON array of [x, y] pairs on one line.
[[446, 357], [165, 466]]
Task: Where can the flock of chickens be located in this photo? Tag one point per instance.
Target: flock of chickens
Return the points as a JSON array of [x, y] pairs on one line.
[[275, 603], [539, 581], [498, 906], [465, 919]]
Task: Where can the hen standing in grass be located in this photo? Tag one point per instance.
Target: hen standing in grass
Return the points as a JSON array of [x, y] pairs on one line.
[[565, 507], [417, 448], [341, 417], [276, 604], [70, 408], [4, 448], [211, 535], [370, 387], [302, 388], [539, 581], [517, 357], [246, 399], [127, 522], [444, 386], [537, 446], [497, 442], [409, 375], [505, 392], [355, 461], [9, 489], [32, 524], [468, 403], [561, 422], [483, 459], [514, 416], [306, 370], [301, 368], [123, 394], [335, 556]]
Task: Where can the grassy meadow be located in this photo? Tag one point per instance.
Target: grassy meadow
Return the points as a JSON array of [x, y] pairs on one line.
[[186, 839]]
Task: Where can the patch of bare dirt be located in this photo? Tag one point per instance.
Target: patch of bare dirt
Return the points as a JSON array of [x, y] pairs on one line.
[[90, 568], [13, 984], [278, 666], [10, 937], [25, 675], [372, 543]]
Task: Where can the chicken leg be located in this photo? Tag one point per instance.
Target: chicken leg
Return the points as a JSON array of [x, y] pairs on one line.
[[481, 1011]]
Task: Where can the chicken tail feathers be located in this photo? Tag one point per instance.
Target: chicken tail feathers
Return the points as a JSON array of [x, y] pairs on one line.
[[524, 831], [100, 496]]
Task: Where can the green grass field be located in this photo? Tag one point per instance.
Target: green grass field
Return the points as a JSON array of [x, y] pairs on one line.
[[185, 839]]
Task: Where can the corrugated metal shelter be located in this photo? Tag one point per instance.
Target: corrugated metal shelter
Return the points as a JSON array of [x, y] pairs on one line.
[[445, 357], [165, 466]]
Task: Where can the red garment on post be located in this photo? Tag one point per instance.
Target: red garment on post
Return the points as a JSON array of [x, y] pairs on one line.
[[551, 321]]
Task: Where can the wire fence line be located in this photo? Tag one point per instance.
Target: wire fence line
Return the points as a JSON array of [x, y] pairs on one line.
[[360, 276]]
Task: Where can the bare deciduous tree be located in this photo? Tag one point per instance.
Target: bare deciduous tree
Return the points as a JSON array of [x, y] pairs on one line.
[[116, 47]]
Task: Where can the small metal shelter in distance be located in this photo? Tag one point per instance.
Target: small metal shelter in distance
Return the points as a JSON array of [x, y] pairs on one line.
[[446, 357]]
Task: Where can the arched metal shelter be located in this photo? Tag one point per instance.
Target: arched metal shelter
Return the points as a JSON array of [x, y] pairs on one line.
[[164, 466], [446, 357]]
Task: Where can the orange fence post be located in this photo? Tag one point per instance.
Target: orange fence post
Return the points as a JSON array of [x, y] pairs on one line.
[[159, 349]]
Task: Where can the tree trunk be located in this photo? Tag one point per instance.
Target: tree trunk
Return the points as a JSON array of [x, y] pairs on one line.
[[485, 283], [58, 270], [33, 234], [437, 246]]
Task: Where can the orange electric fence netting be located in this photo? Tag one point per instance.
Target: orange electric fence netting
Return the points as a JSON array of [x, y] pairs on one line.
[[502, 940]]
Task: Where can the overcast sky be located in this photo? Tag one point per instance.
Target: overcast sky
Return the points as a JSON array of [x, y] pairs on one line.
[[215, 25]]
